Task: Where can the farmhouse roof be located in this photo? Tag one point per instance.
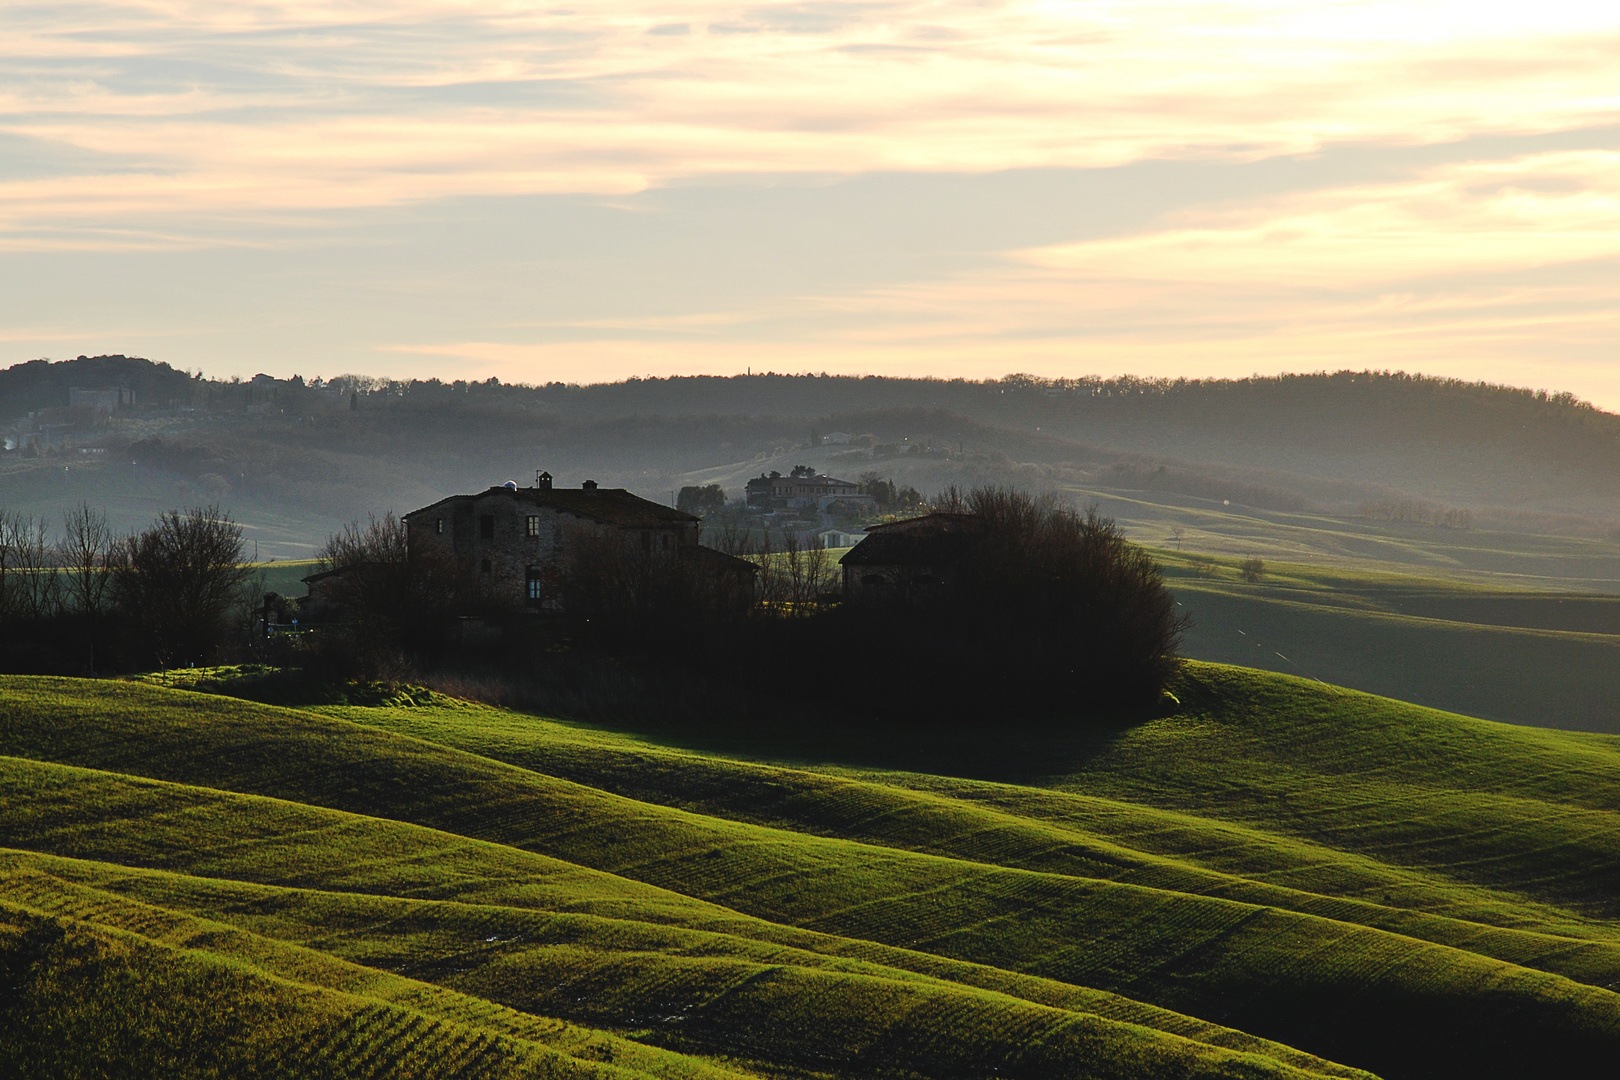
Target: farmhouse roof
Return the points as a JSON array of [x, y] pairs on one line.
[[614, 506], [930, 540], [717, 559]]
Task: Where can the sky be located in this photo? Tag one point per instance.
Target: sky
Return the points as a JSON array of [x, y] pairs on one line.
[[584, 193]]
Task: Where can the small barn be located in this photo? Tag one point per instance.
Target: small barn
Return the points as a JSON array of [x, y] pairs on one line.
[[914, 558]]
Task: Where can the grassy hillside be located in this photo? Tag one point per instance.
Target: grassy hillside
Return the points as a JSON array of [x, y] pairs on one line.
[[1508, 554], [1283, 880], [1526, 656]]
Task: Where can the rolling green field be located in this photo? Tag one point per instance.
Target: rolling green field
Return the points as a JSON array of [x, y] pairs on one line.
[[1281, 880], [1525, 656], [1511, 554]]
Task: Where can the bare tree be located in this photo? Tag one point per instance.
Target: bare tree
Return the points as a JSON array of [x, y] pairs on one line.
[[733, 538], [86, 542], [9, 571], [83, 552], [771, 592], [382, 582], [29, 585], [796, 576], [380, 540], [181, 580]]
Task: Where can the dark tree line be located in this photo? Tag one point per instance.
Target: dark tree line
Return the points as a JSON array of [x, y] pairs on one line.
[[889, 495], [1044, 612], [1047, 612], [86, 600]]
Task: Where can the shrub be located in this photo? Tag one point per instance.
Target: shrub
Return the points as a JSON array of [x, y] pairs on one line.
[[699, 501], [1042, 611], [1252, 570]]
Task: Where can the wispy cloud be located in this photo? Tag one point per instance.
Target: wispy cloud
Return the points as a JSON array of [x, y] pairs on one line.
[[198, 147], [1465, 218], [254, 106]]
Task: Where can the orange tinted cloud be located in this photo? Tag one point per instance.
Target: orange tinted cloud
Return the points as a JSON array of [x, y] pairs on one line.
[[234, 108], [135, 128], [1463, 218]]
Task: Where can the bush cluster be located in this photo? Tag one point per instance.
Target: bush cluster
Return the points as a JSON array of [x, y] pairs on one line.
[[1044, 612], [86, 601]]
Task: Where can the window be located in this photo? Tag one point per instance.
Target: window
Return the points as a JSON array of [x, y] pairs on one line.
[[486, 526], [646, 541], [483, 567], [534, 525], [438, 526], [556, 537], [535, 585], [666, 541]]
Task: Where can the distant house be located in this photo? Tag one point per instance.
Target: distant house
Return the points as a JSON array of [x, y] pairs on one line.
[[516, 542], [908, 558], [840, 538], [107, 399], [798, 492]]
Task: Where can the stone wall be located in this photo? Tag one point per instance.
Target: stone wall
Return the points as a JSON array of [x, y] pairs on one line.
[[501, 563]]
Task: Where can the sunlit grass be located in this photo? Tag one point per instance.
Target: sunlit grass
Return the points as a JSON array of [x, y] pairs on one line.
[[1278, 875]]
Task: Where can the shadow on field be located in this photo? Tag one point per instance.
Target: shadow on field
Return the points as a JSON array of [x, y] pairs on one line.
[[683, 710]]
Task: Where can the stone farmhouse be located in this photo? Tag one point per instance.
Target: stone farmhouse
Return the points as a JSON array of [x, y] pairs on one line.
[[516, 542]]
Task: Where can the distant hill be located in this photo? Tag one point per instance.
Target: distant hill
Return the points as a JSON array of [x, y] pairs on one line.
[[42, 384], [1471, 443], [293, 458]]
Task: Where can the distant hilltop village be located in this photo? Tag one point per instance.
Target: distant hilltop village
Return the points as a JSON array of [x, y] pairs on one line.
[[46, 406]]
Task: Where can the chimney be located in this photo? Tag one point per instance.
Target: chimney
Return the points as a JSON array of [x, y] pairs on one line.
[[589, 485], [542, 480]]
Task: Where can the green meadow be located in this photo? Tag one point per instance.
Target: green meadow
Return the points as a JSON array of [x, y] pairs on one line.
[[1491, 648], [1282, 879]]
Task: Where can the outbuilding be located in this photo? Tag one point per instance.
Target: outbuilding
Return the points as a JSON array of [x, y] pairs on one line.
[[914, 558]]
